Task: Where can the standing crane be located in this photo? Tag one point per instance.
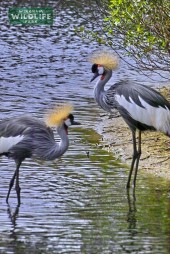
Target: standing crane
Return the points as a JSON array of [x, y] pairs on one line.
[[28, 137], [141, 107]]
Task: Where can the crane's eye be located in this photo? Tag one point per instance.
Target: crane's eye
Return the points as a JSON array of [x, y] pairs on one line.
[[100, 70], [69, 120], [97, 69]]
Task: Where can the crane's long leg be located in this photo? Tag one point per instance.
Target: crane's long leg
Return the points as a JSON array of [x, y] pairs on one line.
[[10, 186], [17, 187], [16, 175], [137, 159], [135, 154]]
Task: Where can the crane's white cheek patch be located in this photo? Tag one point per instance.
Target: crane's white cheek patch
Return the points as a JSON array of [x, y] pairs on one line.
[[68, 122], [7, 142]]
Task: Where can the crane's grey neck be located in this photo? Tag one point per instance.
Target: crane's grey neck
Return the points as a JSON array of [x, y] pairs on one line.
[[99, 90], [57, 149], [64, 141]]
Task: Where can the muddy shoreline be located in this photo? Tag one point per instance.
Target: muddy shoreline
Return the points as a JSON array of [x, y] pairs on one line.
[[116, 136]]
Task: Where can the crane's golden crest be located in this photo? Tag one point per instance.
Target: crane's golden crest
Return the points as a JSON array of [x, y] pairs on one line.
[[58, 115], [107, 59]]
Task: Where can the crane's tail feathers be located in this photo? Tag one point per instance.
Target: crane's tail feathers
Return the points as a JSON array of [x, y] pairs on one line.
[[58, 114], [105, 58]]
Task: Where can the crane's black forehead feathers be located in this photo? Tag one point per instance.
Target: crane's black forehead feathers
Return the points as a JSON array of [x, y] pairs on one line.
[[71, 117], [94, 68]]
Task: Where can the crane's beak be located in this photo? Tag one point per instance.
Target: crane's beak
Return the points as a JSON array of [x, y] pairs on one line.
[[94, 77], [75, 123]]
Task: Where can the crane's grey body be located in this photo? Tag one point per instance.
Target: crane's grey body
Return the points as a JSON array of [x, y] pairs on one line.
[[28, 137], [37, 139], [141, 107], [136, 96]]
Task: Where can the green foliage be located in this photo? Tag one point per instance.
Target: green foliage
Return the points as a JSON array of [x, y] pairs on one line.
[[143, 23], [139, 28]]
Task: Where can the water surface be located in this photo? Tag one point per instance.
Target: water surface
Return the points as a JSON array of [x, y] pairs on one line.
[[76, 204]]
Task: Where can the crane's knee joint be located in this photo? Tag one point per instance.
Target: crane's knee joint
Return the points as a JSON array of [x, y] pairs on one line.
[[18, 189]]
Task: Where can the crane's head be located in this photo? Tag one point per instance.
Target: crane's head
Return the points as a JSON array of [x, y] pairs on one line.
[[98, 70], [61, 115], [103, 62], [70, 121]]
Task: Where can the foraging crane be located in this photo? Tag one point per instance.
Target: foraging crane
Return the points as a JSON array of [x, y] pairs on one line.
[[141, 107], [27, 137]]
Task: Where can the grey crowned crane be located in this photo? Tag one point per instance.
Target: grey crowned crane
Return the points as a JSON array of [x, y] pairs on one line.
[[141, 107], [28, 137]]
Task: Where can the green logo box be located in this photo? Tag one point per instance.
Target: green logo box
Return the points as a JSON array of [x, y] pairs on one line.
[[30, 16]]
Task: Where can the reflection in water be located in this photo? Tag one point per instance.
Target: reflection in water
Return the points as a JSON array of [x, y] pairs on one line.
[[13, 215]]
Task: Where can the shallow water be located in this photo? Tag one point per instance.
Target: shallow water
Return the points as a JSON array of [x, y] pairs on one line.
[[77, 204]]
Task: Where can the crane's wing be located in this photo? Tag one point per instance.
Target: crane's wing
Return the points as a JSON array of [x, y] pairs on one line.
[[141, 106], [17, 135], [133, 92], [20, 126]]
